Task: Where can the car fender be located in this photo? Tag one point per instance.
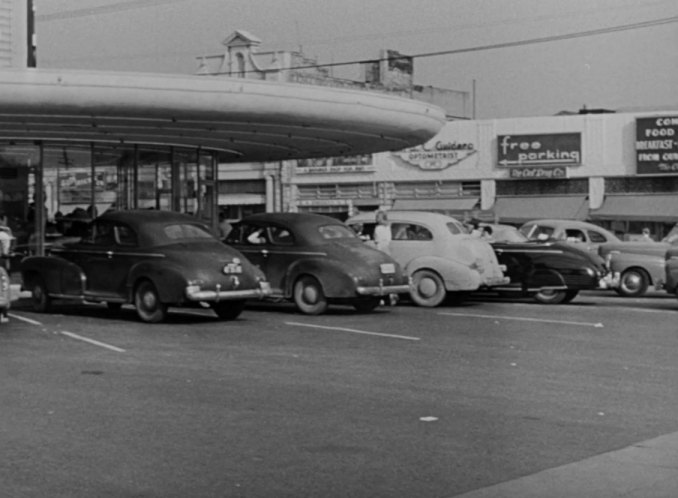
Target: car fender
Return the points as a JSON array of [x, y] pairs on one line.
[[59, 275], [544, 277], [167, 277], [653, 265], [457, 276], [334, 279]]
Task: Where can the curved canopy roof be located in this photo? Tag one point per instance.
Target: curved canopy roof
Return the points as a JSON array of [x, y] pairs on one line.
[[245, 120]]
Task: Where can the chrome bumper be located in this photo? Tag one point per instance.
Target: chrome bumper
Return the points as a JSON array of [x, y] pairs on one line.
[[495, 281], [384, 290], [217, 295], [610, 281]]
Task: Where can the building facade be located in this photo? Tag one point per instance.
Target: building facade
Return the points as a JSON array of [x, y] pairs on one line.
[[616, 170]]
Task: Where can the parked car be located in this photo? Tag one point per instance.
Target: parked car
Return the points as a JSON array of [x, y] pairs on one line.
[[671, 270], [5, 294], [581, 234], [639, 264], [152, 259], [435, 249], [552, 272], [315, 260]]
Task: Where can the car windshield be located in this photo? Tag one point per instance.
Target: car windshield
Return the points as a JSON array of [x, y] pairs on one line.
[[336, 232], [537, 232], [455, 227], [184, 231], [507, 234]]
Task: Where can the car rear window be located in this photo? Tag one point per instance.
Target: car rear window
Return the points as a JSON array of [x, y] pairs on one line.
[[185, 231], [336, 232]]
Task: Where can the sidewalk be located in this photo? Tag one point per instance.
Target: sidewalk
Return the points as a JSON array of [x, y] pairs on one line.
[[648, 469]]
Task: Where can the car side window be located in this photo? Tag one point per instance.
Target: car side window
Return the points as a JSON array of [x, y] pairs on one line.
[[574, 235], [253, 234], [280, 236], [103, 234], [125, 236], [410, 231], [596, 237]]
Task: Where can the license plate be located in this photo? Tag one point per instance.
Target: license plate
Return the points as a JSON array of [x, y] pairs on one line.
[[387, 268], [232, 269]]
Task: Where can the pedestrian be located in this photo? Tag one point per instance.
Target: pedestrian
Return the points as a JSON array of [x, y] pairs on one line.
[[646, 235], [5, 251], [382, 232]]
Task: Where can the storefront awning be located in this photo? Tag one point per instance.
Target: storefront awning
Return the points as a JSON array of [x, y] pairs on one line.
[[243, 120], [241, 199], [522, 209], [440, 205], [649, 207]]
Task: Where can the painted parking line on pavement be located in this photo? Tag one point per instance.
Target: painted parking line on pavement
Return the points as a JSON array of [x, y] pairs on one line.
[[525, 319], [91, 341], [24, 319], [354, 331]]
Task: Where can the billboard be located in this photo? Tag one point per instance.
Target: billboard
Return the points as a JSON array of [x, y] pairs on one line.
[[657, 145], [545, 150]]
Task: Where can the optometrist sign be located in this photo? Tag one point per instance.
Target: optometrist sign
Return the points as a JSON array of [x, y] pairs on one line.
[[555, 149], [657, 145]]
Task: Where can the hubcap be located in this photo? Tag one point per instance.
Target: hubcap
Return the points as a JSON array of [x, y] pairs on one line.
[[632, 282], [310, 295], [427, 287]]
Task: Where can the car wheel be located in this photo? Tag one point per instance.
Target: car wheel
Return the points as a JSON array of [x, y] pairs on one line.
[[551, 296], [367, 305], [147, 301], [228, 310], [309, 296], [428, 289], [41, 300], [633, 283]]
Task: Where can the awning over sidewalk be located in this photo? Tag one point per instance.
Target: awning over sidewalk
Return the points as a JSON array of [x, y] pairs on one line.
[[650, 207], [522, 209], [457, 206]]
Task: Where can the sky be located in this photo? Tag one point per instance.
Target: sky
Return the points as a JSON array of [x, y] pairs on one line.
[[621, 64]]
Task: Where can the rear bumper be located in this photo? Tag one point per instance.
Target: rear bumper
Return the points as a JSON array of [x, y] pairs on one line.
[[495, 281], [217, 295], [384, 290]]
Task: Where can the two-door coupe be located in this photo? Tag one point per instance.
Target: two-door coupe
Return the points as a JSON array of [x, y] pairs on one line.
[[151, 259], [640, 264], [314, 260], [436, 250], [552, 272]]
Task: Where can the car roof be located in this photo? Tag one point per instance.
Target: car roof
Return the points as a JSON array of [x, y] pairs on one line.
[[561, 223], [136, 217], [295, 220], [415, 216]]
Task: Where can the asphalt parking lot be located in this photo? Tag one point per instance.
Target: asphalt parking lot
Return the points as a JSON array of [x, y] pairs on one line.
[[405, 401]]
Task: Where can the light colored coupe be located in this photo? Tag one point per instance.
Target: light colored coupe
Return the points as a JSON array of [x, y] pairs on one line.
[[441, 257]]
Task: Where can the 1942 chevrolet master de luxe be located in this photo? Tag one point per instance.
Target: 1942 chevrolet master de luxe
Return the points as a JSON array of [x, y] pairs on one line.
[[151, 259]]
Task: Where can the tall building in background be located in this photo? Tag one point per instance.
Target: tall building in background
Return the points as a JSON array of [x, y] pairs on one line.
[[17, 39]]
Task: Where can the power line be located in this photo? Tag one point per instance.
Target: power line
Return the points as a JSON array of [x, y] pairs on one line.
[[531, 41]]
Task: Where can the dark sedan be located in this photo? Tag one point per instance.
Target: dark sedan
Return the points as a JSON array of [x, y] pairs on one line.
[[552, 271], [152, 259], [314, 260]]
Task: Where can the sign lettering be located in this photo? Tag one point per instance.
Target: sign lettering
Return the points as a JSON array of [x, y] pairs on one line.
[[657, 145]]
